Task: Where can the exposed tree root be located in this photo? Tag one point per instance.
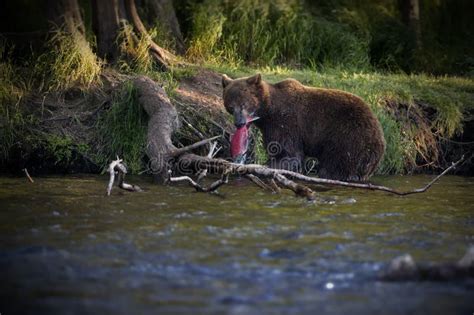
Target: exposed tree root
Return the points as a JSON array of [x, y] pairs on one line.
[[163, 57]]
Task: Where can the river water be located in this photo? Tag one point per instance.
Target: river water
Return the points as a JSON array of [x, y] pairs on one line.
[[65, 248]]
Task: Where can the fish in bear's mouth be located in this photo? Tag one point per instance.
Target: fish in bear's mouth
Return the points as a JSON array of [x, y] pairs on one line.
[[239, 141]]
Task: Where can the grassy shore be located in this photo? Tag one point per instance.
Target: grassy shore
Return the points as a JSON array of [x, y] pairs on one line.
[[57, 108]]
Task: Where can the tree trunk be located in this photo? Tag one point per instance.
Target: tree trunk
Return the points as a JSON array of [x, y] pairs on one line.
[[163, 10], [161, 56], [106, 25], [410, 11], [66, 14]]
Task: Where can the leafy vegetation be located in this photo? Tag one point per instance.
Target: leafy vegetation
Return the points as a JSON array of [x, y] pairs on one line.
[[270, 33], [122, 131], [67, 62], [342, 34], [134, 54]]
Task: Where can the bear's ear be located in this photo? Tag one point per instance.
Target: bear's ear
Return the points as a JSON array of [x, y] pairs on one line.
[[255, 80], [225, 80]]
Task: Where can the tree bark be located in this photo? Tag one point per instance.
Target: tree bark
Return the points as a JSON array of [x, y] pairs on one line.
[[164, 11], [106, 25], [161, 55], [65, 13], [410, 11]]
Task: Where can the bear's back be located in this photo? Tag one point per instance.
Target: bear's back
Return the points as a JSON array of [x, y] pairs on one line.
[[323, 97], [288, 84]]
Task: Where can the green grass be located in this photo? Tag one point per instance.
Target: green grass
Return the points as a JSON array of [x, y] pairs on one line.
[[266, 32], [408, 144], [122, 131], [68, 61], [134, 54], [356, 35]]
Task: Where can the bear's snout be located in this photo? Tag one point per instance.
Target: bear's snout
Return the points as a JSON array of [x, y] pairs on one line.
[[240, 117]]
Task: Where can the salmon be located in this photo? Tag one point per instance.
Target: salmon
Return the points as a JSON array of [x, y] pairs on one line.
[[239, 142]]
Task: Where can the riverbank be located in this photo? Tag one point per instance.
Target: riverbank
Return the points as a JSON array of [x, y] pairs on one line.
[[427, 121]]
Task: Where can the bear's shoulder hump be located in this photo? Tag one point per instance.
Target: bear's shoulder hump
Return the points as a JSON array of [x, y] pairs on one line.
[[288, 83]]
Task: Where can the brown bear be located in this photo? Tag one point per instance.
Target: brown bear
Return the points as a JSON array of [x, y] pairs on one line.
[[335, 127]]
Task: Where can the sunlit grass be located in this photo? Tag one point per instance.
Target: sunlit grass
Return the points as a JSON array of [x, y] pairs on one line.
[[68, 62], [266, 32], [134, 52]]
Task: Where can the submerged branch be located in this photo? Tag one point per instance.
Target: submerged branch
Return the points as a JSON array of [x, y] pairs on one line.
[[213, 187], [257, 181], [298, 189], [117, 167], [28, 175]]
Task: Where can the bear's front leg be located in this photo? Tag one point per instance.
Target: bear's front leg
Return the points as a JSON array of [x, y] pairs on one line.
[[285, 155]]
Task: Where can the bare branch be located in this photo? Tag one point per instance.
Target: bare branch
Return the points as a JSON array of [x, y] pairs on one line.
[[180, 151], [298, 189], [371, 186], [214, 186], [274, 186], [28, 175], [257, 181], [212, 152], [219, 165], [111, 171], [117, 167]]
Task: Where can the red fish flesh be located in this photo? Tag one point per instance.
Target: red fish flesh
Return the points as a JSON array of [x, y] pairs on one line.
[[239, 142]]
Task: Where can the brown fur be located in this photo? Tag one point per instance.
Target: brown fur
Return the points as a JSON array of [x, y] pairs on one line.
[[297, 121]]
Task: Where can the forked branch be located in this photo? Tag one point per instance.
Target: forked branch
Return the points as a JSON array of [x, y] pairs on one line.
[[213, 187]]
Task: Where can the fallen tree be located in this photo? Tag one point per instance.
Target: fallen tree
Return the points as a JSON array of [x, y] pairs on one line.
[[166, 159]]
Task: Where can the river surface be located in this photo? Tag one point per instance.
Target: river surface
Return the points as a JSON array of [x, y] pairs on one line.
[[65, 248]]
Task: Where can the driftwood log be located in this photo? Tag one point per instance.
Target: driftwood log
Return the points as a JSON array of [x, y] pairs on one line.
[[166, 158]]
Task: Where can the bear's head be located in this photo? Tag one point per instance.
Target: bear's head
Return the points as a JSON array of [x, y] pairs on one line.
[[243, 97]]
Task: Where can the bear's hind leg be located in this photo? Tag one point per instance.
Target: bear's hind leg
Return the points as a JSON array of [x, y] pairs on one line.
[[337, 168]]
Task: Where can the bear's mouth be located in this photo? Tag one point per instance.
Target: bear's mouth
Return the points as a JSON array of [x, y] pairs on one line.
[[241, 120]]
